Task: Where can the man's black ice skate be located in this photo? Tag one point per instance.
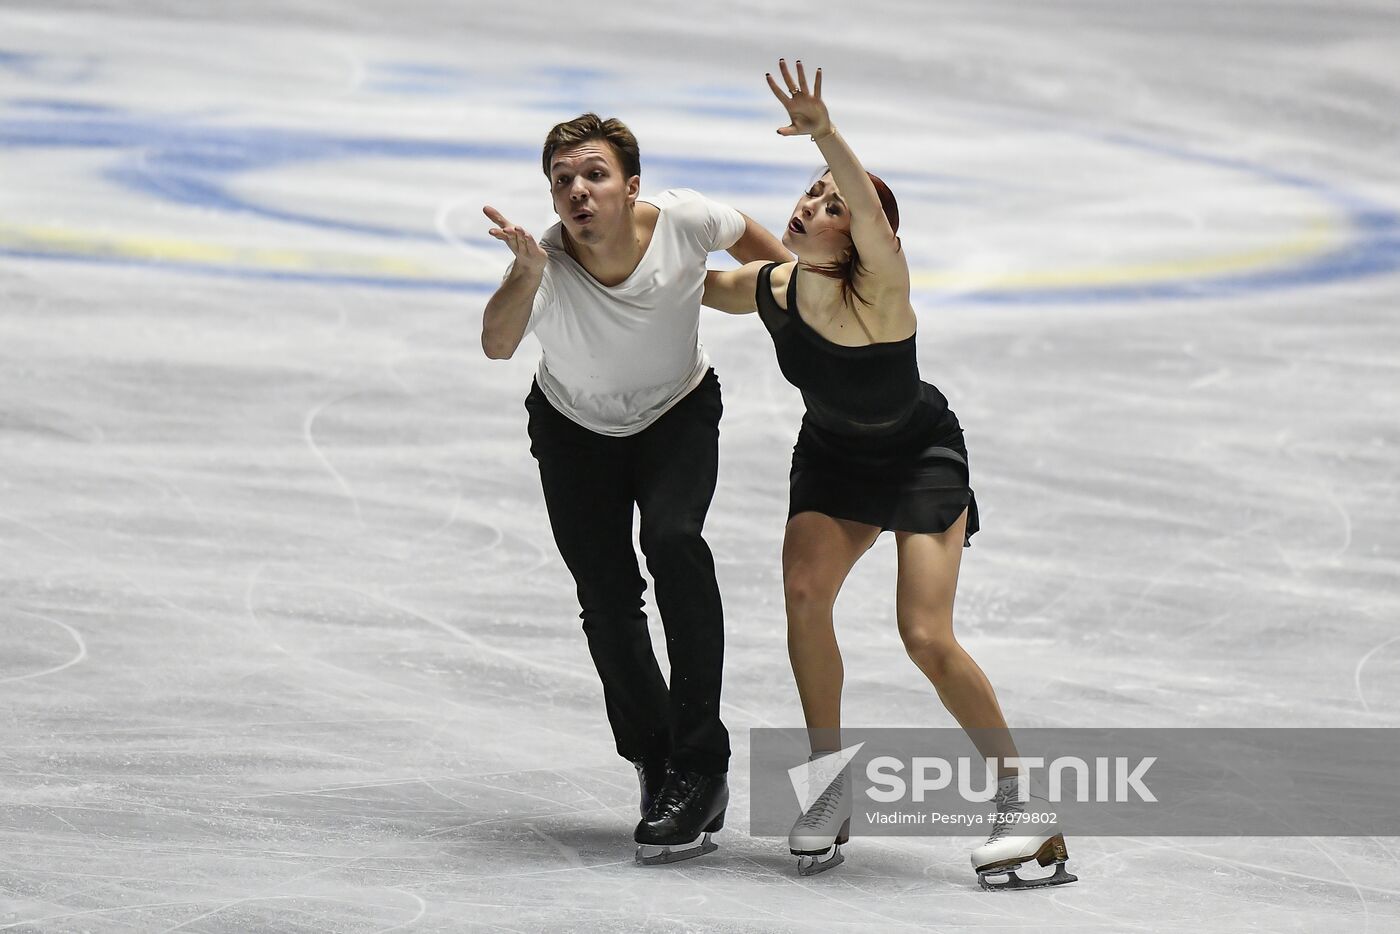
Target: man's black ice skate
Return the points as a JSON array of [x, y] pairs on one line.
[[689, 805], [651, 775]]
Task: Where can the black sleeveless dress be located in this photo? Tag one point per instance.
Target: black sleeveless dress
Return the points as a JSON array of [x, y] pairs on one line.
[[877, 444]]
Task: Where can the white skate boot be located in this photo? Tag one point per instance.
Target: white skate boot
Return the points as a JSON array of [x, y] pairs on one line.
[[826, 825], [1014, 841]]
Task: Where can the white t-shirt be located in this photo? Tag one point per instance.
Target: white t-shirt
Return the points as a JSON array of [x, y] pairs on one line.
[[616, 358]]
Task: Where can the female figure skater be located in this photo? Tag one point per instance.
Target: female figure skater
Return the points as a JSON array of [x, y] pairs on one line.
[[878, 449]]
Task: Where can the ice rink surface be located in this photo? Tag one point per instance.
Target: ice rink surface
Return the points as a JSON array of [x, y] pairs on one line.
[[285, 643]]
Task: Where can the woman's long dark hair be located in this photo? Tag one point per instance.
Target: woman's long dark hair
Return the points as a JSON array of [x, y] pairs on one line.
[[845, 272]]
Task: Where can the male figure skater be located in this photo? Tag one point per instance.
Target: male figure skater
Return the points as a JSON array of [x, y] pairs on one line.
[[625, 410]]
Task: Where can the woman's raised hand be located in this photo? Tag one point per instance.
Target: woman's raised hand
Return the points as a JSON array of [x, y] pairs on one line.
[[527, 252], [805, 109]]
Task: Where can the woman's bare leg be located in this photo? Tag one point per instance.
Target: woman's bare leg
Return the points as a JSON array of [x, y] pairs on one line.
[[928, 582], [818, 553]]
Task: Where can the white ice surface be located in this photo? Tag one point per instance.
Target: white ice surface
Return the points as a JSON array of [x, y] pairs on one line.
[[284, 640]]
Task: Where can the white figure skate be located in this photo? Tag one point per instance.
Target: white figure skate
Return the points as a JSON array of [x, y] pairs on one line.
[[1014, 842], [825, 826]]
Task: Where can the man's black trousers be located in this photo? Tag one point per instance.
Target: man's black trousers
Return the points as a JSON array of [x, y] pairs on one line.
[[591, 484]]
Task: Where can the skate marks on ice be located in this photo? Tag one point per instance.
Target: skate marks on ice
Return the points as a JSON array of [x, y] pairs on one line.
[[36, 649], [1378, 680]]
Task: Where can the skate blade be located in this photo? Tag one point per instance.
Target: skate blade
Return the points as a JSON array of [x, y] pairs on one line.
[[659, 855], [1013, 881], [809, 864]]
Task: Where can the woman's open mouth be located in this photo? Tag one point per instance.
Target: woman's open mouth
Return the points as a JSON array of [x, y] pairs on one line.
[[795, 226]]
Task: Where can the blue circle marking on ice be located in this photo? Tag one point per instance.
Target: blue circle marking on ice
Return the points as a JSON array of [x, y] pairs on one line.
[[191, 164]]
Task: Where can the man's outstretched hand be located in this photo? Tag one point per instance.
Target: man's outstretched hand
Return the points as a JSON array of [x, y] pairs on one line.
[[528, 254]]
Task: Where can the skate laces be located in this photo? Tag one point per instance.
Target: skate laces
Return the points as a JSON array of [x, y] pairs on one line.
[[673, 795], [1006, 802], [826, 804]]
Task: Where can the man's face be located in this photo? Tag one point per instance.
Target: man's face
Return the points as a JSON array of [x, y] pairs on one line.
[[591, 194]]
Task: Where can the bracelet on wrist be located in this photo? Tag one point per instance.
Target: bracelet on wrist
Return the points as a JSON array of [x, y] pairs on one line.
[[829, 131]]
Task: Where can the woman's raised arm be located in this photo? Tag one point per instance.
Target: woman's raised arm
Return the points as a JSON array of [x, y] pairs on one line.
[[870, 230]]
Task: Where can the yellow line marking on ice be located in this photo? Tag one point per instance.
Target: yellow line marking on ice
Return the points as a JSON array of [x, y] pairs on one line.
[[1319, 236], [62, 241]]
